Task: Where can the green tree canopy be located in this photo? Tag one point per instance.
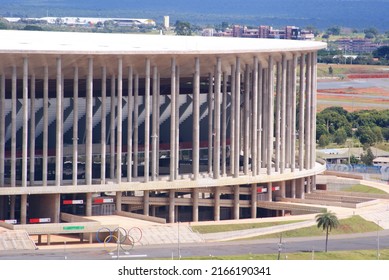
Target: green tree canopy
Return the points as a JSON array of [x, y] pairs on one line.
[[367, 157], [382, 52], [183, 28], [340, 136]]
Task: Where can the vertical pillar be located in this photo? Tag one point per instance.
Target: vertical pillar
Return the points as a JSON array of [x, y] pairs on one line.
[[136, 122], [32, 131], [154, 139], [172, 205], [278, 117], [271, 115], [232, 120], [158, 114], [88, 206], [254, 127], [301, 113], [283, 114], [302, 188], [254, 201], [195, 203], [173, 96], [293, 117], [269, 191], [112, 127], [45, 125], [13, 134], [23, 209], [177, 125], [260, 118], [210, 122], [147, 122], [246, 122], [224, 124], [283, 189], [58, 145], [236, 202], [146, 203], [308, 113], [216, 214], [25, 123], [237, 118], [265, 115], [89, 123], [2, 130], [57, 208], [289, 93], [196, 120], [314, 107], [216, 158], [119, 130], [103, 139], [75, 126], [293, 188], [130, 105]]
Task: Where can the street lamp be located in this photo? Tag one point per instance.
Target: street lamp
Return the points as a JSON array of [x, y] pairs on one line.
[[378, 240]]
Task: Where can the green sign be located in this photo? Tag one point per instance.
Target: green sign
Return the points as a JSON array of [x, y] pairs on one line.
[[73, 227]]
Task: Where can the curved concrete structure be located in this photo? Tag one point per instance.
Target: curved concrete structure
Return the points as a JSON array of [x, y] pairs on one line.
[[173, 125]]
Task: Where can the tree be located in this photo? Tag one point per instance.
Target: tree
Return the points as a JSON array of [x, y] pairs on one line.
[[367, 158], [366, 135], [382, 52], [340, 136], [183, 28], [324, 140], [334, 30], [327, 220]]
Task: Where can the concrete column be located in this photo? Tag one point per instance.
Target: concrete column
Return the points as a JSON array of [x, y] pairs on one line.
[[23, 209], [172, 170], [172, 204], [254, 127], [302, 188], [283, 189], [147, 121], [155, 124], [119, 130], [158, 114], [269, 191], [236, 202], [112, 127], [216, 214], [210, 122], [119, 201], [25, 123], [136, 128], [301, 113], [260, 118], [75, 126], [196, 120], [89, 124], [13, 136], [177, 152], [45, 125], [314, 107], [146, 203], [247, 118], [2, 132], [308, 131], [232, 120], [278, 117], [289, 93], [195, 203], [283, 114], [103, 139], [217, 90], [130, 105], [271, 115], [293, 188], [59, 115], [265, 116], [293, 117], [224, 124], [309, 185], [32, 131], [57, 208], [253, 201], [237, 119], [88, 205]]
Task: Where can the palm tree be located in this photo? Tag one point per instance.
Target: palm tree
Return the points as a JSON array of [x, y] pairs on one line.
[[327, 220]]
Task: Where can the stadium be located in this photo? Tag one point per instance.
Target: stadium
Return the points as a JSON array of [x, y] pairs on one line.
[[172, 127]]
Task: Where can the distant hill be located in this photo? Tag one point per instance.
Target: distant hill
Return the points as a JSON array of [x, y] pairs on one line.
[[320, 13]]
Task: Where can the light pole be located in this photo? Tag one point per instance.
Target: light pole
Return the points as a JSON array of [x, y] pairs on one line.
[[378, 240]]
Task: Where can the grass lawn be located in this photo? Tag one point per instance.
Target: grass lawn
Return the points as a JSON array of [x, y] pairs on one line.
[[355, 224], [332, 255], [233, 227], [364, 189]]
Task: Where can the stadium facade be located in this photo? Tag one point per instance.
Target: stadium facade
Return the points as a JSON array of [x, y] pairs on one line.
[[183, 128]]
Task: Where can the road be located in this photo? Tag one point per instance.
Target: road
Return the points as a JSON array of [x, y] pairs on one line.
[[337, 242]]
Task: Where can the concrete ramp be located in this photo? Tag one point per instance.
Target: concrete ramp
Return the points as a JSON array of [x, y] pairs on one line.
[[16, 240]]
